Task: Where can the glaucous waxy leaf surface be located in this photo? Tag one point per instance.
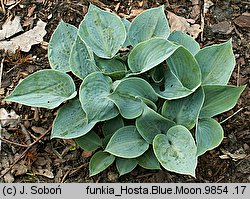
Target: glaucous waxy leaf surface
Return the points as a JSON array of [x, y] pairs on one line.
[[128, 96], [125, 165], [99, 162], [157, 73], [150, 123], [182, 77], [150, 23], [176, 151], [148, 54], [216, 63], [219, 98], [46, 88], [103, 32], [184, 111], [93, 94], [114, 67], [60, 46], [209, 134], [89, 142], [81, 60], [109, 127], [185, 40], [127, 143], [148, 160], [71, 121], [127, 26]]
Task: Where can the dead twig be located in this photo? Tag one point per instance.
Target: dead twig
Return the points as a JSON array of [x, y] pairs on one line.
[[232, 115], [1, 72], [13, 143], [26, 150]]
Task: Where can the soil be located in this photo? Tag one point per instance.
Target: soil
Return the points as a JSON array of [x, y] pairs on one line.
[[59, 160]]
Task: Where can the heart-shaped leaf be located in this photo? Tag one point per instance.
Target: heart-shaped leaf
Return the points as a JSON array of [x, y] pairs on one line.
[[89, 142], [128, 96], [127, 143], [182, 77], [111, 126], [185, 40], [81, 59], [103, 32], [71, 122], [46, 88], [114, 67], [184, 111], [127, 26], [60, 46], [176, 151], [216, 63], [150, 124], [219, 98], [209, 134], [99, 162], [150, 23], [148, 54], [125, 166], [148, 160], [94, 92]]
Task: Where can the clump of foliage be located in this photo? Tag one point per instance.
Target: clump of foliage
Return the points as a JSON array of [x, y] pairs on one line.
[[155, 101]]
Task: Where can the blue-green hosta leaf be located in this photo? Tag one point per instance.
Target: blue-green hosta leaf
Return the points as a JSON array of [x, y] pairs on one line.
[[46, 88], [127, 143], [103, 32], [127, 26], [114, 67], [81, 59], [128, 96], [148, 54], [176, 151], [209, 134], [216, 63], [150, 124], [219, 98], [182, 77], [157, 73], [150, 23], [185, 40], [148, 160], [99, 162], [60, 46], [93, 95], [184, 111], [89, 142], [71, 121], [111, 126], [125, 165]]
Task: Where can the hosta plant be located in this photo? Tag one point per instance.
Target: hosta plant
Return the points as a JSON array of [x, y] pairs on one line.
[[153, 92]]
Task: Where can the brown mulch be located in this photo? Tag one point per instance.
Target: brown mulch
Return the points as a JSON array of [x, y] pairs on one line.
[[59, 160]]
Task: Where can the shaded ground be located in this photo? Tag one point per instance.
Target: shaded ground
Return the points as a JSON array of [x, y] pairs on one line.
[[59, 161]]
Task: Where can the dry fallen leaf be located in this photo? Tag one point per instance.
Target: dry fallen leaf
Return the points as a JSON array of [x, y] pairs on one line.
[[26, 40], [223, 27], [237, 155], [243, 21], [9, 2], [45, 173], [182, 24], [207, 5], [10, 28], [9, 119], [133, 13]]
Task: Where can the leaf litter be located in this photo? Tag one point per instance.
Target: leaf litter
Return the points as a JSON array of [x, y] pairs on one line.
[[25, 40]]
